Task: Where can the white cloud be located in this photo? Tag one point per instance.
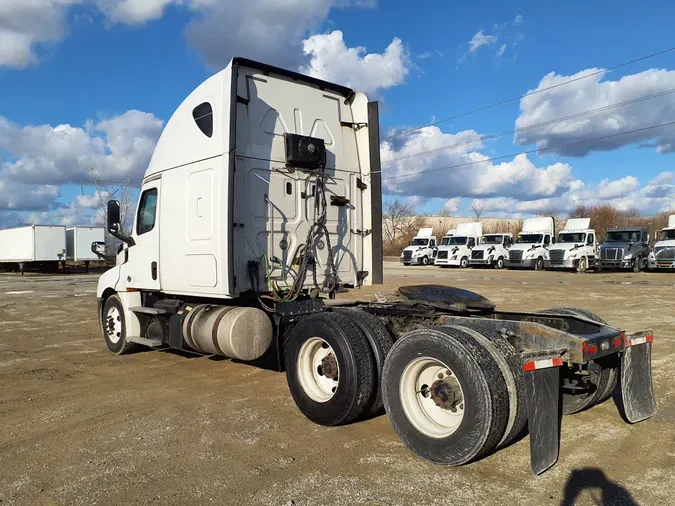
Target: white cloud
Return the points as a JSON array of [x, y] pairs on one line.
[[593, 93], [479, 40], [271, 31], [519, 20], [65, 154], [27, 23], [88, 201], [618, 188], [452, 205], [500, 51], [134, 12], [478, 177], [21, 197], [333, 61]]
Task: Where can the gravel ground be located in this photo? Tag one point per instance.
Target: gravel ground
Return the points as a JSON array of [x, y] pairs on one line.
[[82, 426]]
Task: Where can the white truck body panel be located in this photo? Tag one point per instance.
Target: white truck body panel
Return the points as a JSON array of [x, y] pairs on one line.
[[528, 254], [421, 253], [459, 254], [569, 255], [79, 241], [228, 199], [37, 243], [663, 255], [671, 221], [488, 254]]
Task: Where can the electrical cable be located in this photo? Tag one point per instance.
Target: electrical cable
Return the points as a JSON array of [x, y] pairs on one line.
[[497, 104], [532, 126], [538, 150]]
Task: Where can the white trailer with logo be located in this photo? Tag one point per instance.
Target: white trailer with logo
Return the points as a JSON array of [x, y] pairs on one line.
[[84, 244], [34, 246], [261, 201]]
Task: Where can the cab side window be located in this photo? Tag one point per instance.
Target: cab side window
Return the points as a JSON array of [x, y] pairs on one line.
[[472, 242], [432, 243], [147, 212], [547, 240], [590, 239], [645, 236]]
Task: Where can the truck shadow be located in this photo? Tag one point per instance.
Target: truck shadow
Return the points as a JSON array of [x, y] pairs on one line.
[[603, 491]]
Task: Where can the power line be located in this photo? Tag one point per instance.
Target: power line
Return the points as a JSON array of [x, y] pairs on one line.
[[540, 150], [532, 126], [585, 76]]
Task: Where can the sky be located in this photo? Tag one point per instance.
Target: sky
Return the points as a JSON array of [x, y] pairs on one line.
[[90, 84]]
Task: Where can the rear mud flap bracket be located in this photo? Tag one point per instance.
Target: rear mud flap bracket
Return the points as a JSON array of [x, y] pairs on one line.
[[637, 390]]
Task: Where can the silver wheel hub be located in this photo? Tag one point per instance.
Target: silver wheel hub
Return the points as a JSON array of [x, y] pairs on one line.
[[318, 369], [432, 397], [113, 325]]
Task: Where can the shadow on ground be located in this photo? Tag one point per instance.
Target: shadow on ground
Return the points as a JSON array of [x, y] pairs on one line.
[[602, 491]]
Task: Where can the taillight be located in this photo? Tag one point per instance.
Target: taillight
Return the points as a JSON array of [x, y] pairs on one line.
[[592, 349]]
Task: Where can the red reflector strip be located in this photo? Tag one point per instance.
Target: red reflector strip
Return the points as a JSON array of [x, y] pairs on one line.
[[542, 364], [616, 342], [639, 340], [592, 349]]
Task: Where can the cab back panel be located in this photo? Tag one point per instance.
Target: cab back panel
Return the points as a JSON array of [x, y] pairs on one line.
[[274, 207]]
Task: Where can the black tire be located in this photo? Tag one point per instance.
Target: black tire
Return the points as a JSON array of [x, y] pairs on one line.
[[464, 262], [381, 341], [637, 264], [499, 264], [355, 361], [425, 260], [121, 346], [582, 267], [485, 398], [511, 366], [539, 266], [605, 382]]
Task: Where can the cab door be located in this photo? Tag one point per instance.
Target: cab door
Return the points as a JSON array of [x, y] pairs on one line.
[[143, 263]]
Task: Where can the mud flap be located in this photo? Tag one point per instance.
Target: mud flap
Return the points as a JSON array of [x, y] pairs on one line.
[[637, 391], [544, 416]]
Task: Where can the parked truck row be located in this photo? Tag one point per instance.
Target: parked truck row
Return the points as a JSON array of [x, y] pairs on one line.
[[537, 247], [45, 247], [262, 201]]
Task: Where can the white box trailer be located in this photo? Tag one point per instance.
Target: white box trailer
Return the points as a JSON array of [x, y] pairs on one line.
[[79, 242], [36, 245]]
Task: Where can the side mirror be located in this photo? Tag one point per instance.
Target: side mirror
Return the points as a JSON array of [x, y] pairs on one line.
[[113, 223], [113, 217]]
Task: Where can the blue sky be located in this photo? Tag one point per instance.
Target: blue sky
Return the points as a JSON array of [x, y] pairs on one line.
[[115, 71]]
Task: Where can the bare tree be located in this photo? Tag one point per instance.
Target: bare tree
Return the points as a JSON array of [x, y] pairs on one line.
[[478, 208], [120, 190], [400, 224]]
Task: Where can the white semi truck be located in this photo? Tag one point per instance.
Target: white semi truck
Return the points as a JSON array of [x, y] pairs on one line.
[[422, 249], [576, 247], [34, 246], [492, 251], [458, 249], [530, 250], [261, 201], [663, 255]]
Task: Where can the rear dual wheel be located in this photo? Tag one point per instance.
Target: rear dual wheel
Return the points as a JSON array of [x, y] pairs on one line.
[[333, 365], [445, 395]]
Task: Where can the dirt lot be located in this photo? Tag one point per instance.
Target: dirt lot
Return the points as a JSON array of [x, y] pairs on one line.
[[82, 426]]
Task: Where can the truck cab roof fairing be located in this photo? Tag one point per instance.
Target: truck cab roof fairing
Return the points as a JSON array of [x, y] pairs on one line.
[[182, 142]]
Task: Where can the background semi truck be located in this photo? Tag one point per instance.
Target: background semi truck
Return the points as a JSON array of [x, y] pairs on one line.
[[457, 251], [576, 247], [35, 246], [422, 249], [663, 256], [530, 250], [492, 251], [624, 249], [261, 202]]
